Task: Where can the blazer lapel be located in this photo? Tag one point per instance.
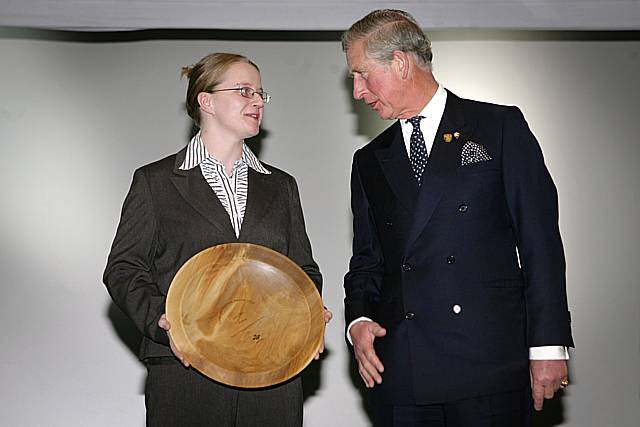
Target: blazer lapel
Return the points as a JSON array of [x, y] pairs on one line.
[[441, 165], [397, 169], [260, 195], [196, 191]]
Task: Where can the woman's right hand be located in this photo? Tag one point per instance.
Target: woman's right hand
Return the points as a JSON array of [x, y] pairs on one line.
[[164, 324]]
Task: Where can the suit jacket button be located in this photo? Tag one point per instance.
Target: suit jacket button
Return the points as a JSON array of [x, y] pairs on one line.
[[409, 315], [456, 309], [451, 259], [389, 223], [407, 267], [463, 208]]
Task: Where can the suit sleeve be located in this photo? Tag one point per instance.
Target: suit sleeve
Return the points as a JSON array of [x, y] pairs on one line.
[[366, 268], [299, 245], [533, 206], [129, 274]]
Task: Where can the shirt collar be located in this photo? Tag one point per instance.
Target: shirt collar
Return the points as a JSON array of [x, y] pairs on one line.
[[433, 110], [197, 153]]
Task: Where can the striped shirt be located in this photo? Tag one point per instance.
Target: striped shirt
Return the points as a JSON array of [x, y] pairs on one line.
[[231, 191]]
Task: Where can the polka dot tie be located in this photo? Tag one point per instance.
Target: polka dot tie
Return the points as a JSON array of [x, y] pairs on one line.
[[417, 149]]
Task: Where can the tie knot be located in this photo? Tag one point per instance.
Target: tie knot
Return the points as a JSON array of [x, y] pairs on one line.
[[415, 121]]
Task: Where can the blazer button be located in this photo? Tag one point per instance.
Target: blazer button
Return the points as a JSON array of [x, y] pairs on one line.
[[456, 309], [407, 267], [451, 259], [463, 208], [409, 315], [389, 223]]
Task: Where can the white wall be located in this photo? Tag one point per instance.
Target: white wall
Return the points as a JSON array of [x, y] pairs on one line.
[[77, 117]]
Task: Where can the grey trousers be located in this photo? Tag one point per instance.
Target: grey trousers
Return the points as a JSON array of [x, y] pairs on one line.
[[177, 396]]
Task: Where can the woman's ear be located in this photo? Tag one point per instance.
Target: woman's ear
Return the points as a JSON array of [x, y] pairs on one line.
[[205, 101]]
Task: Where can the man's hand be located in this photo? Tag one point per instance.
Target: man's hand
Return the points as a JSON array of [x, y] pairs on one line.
[[327, 318], [164, 324], [546, 378], [369, 366]]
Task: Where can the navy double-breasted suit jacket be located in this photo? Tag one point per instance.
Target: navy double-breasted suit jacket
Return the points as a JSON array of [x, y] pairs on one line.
[[466, 271]]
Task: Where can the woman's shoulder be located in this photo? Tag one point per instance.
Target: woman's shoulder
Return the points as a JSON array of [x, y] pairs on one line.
[[163, 166], [276, 172]]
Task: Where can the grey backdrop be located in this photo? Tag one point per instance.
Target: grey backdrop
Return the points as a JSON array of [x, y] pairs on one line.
[[79, 113]]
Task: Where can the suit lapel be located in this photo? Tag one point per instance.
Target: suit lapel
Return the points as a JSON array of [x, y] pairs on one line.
[[262, 189], [441, 165], [196, 191], [395, 165]]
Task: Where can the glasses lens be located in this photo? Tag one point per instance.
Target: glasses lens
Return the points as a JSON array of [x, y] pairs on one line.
[[247, 92]]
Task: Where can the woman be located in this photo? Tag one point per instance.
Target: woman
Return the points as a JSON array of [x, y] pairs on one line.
[[213, 191]]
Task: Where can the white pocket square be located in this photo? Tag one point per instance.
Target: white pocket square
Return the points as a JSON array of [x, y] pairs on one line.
[[472, 152]]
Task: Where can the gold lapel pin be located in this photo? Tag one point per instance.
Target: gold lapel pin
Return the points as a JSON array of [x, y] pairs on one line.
[[456, 134], [447, 137]]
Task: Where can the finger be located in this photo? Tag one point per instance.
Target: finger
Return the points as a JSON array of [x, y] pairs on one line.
[[538, 397], [165, 324], [320, 351], [366, 378], [548, 392], [327, 316], [373, 359], [371, 370], [379, 331], [181, 358]]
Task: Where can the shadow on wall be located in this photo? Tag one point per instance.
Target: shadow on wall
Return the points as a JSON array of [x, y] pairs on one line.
[[357, 382], [311, 379]]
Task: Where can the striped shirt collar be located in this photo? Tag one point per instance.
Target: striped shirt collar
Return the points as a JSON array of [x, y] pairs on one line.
[[197, 153]]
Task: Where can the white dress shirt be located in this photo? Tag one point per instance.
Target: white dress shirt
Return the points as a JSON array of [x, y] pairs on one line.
[[230, 190]]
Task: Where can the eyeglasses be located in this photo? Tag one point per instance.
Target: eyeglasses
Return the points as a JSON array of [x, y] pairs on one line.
[[247, 92]]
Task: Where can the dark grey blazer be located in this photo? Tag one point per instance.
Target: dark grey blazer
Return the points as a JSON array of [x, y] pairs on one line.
[[170, 215]]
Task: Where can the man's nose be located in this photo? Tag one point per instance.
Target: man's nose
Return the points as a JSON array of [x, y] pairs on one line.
[[358, 87]]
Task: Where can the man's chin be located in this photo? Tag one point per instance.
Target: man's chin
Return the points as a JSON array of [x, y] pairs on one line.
[[384, 116]]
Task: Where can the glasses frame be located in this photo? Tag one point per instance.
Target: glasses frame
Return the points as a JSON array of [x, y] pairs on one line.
[[246, 92]]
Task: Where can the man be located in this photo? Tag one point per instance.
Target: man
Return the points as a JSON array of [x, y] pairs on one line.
[[455, 296]]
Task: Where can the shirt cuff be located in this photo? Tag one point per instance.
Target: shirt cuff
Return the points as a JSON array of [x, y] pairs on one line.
[[549, 352], [359, 319]]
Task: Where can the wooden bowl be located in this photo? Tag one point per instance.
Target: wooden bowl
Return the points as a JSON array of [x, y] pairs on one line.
[[245, 315]]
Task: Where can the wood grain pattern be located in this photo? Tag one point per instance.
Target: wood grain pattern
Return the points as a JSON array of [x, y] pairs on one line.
[[245, 315]]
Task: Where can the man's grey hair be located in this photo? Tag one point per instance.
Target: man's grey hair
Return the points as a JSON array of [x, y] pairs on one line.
[[384, 31]]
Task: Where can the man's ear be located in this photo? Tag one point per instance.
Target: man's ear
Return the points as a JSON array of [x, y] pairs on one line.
[[402, 63], [205, 102]]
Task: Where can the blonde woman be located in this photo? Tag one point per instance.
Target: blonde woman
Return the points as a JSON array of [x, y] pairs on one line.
[[213, 191]]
